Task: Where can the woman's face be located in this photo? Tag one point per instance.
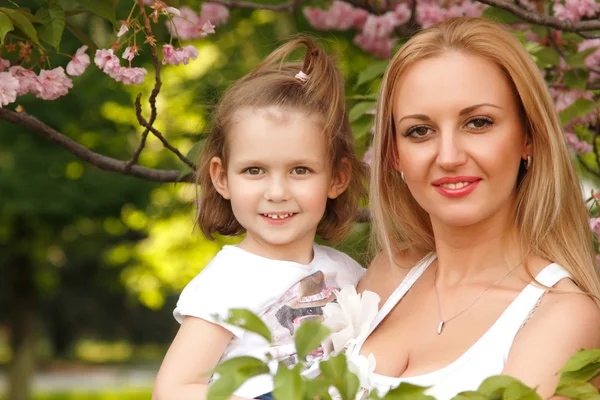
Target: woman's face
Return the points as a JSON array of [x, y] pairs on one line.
[[459, 138]]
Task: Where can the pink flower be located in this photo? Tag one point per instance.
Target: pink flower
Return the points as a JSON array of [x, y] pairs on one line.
[[54, 84], [595, 226], [131, 76], [578, 146], [124, 28], [79, 62], [593, 60], [9, 85], [107, 61], [207, 28], [379, 47], [368, 156], [340, 16], [380, 26], [128, 54], [214, 12], [178, 56], [429, 13], [574, 10], [4, 64], [28, 82], [172, 11]]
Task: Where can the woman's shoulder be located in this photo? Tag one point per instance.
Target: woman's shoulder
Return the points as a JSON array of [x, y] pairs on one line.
[[385, 273]]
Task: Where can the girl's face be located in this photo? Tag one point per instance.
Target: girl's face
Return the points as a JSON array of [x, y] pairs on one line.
[[278, 178], [459, 138]]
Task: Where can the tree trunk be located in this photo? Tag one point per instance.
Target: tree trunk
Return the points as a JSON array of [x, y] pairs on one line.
[[20, 272]]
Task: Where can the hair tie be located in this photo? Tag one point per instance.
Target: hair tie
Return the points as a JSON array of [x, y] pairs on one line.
[[301, 76]]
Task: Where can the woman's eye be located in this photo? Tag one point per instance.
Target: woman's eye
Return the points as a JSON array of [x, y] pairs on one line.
[[479, 123], [300, 171], [254, 171], [418, 131]]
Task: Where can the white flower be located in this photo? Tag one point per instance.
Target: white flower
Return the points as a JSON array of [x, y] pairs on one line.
[[363, 367], [349, 319], [172, 11], [124, 28]]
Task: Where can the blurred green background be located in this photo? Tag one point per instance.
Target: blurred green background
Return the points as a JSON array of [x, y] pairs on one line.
[[93, 260]]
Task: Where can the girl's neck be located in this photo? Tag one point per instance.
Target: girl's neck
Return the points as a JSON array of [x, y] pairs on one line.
[[299, 251]]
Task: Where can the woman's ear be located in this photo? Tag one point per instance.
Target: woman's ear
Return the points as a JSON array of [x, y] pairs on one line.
[[340, 179], [218, 175], [527, 147]]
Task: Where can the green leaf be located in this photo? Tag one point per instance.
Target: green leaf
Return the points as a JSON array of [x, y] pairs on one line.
[[578, 390], [317, 388], [53, 20], [85, 39], [360, 109], [469, 396], [500, 15], [6, 26], [193, 155], [373, 71], [249, 321], [288, 383], [408, 391], [519, 391], [579, 108], [234, 372], [545, 57], [335, 370], [578, 59], [494, 387], [22, 22], [577, 78], [308, 337], [104, 8], [583, 374], [362, 127]]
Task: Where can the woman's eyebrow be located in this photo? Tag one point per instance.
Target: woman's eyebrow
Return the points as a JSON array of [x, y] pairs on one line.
[[467, 110]]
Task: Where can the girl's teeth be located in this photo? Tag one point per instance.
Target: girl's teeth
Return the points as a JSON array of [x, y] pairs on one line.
[[274, 216], [454, 185]]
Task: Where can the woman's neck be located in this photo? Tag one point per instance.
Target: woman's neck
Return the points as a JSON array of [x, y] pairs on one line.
[[481, 251]]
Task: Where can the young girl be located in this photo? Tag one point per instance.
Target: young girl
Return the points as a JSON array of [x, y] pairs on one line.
[[279, 166]]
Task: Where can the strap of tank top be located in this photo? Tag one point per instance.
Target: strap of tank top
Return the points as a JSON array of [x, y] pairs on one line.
[[507, 326], [408, 281]]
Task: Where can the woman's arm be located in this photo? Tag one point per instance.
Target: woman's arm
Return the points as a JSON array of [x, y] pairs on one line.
[[193, 355], [563, 324]]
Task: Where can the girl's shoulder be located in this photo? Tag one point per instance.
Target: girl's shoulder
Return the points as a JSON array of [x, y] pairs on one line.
[[332, 259]]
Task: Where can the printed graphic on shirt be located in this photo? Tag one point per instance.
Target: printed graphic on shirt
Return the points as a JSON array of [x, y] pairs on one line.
[[303, 301]]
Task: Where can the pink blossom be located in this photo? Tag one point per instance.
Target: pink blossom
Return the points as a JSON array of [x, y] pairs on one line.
[[9, 85], [131, 76], [148, 2], [595, 226], [578, 146], [79, 62], [380, 26], [574, 10], [124, 28], [128, 54], [178, 56], [402, 12], [379, 47], [340, 16], [172, 11], [28, 82], [207, 28], [4, 64], [368, 156], [429, 14], [592, 60], [214, 12], [107, 61], [54, 84]]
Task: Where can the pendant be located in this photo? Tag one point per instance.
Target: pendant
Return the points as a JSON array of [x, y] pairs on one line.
[[440, 327]]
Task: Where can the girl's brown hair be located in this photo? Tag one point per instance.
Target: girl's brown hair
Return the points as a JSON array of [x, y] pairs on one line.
[[550, 214], [273, 83]]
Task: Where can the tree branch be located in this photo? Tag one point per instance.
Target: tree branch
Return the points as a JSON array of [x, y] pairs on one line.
[[287, 6], [105, 163], [546, 20]]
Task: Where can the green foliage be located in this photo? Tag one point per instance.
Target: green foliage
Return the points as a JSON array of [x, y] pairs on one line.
[[232, 373], [249, 321], [6, 26], [309, 337], [22, 20], [288, 383], [53, 24], [501, 16], [579, 108]]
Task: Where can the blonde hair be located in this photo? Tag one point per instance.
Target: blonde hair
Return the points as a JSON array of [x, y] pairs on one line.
[[550, 215], [274, 83]]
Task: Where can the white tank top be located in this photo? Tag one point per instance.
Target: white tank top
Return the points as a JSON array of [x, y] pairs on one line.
[[485, 358]]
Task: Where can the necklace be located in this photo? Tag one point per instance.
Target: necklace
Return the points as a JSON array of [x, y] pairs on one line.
[[440, 325]]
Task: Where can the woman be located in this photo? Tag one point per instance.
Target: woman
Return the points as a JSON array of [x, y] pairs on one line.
[[473, 196]]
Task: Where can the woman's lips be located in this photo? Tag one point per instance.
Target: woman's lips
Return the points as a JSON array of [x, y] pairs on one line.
[[456, 186]]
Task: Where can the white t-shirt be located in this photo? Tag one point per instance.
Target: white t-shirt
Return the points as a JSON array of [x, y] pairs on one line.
[[281, 293]]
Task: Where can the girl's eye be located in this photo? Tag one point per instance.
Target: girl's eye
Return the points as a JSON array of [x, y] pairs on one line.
[[479, 123], [418, 132], [254, 171], [300, 171]]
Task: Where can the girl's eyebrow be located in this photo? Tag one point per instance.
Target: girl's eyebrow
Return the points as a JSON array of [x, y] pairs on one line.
[[462, 112]]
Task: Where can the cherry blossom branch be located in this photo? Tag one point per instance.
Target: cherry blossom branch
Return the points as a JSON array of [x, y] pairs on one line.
[[103, 162], [546, 20]]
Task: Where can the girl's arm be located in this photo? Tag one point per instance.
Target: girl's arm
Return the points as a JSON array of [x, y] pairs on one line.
[[563, 324], [193, 355]]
